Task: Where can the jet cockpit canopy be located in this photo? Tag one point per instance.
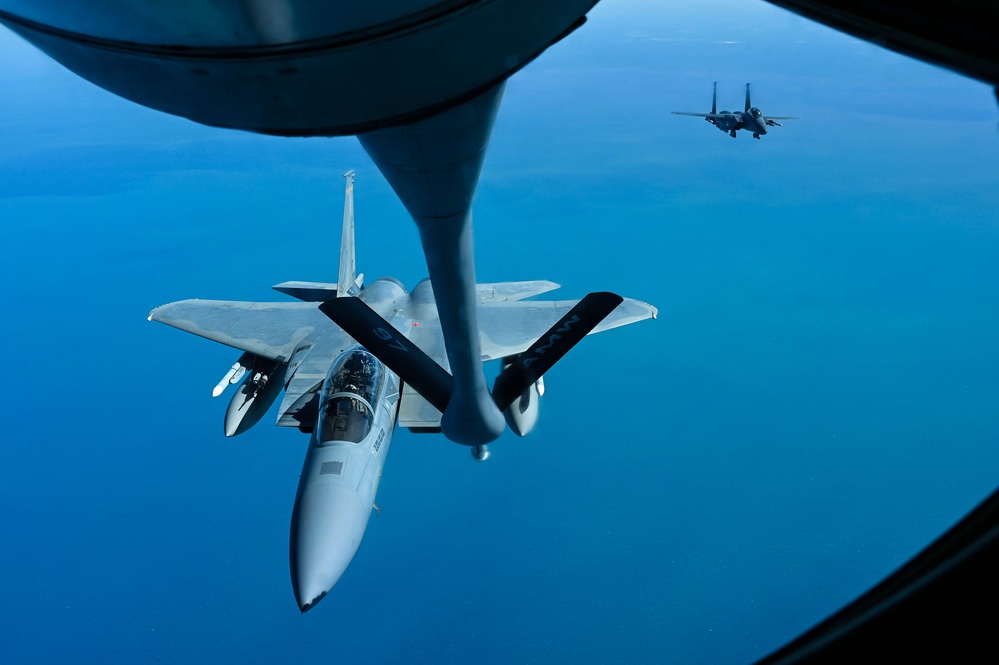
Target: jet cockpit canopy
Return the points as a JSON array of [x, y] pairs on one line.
[[346, 411]]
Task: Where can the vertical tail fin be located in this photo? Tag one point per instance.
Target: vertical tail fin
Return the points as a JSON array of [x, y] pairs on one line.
[[747, 98], [714, 99], [347, 281]]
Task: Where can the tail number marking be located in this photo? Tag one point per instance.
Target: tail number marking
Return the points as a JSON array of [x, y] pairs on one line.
[[386, 336]]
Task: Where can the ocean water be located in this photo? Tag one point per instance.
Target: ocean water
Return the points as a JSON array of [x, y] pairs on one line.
[[816, 401]]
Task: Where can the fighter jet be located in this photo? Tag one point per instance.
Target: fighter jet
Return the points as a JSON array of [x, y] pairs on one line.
[[750, 119], [419, 83], [424, 86], [350, 401]]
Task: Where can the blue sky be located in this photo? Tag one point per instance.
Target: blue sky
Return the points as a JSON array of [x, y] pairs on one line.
[[815, 402]]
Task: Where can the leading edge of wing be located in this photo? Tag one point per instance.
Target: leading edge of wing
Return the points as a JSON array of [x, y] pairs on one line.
[[509, 328], [700, 115], [268, 329]]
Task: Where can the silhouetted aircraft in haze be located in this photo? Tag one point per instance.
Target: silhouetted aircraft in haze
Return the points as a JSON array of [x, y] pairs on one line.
[[750, 119]]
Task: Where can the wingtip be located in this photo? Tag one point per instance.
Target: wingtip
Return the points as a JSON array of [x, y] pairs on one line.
[[152, 313], [652, 309]]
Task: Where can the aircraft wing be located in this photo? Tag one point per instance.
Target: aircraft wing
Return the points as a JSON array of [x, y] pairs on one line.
[[270, 330], [510, 328], [780, 117], [506, 327], [702, 115]]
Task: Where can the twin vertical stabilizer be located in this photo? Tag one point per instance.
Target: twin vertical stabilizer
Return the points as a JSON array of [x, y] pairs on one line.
[[347, 282]]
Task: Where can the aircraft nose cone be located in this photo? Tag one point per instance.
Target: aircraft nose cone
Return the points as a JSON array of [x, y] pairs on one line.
[[326, 529]]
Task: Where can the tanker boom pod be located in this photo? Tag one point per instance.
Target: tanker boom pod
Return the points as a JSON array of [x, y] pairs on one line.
[[295, 67], [254, 396]]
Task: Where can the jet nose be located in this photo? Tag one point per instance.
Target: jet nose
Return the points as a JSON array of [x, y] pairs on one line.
[[327, 524], [761, 126]]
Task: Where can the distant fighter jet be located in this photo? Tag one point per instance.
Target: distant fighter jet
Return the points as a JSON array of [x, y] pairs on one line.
[[750, 119], [350, 401]]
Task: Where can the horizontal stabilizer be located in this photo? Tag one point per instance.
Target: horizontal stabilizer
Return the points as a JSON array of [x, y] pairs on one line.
[[507, 291], [550, 347], [392, 348], [308, 291]]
